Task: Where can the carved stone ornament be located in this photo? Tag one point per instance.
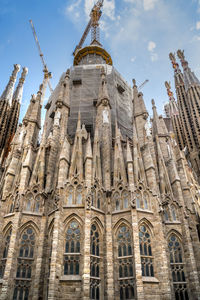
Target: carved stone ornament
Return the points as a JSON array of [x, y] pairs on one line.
[[133, 201], [56, 200], [88, 201]]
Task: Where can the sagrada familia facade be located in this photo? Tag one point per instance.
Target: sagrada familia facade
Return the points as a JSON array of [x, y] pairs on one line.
[[100, 206]]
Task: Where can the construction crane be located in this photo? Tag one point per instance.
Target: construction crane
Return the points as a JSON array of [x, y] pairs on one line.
[[141, 86], [47, 74], [93, 24]]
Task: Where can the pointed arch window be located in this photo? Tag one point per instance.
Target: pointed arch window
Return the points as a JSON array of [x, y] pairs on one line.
[[70, 195], [25, 263], [95, 263], [145, 197], [125, 199], [146, 251], [177, 268], [138, 200], [99, 200], [37, 204], [11, 205], [173, 211], [29, 202], [142, 199], [5, 252], [79, 195], [117, 201], [72, 249], [126, 272]]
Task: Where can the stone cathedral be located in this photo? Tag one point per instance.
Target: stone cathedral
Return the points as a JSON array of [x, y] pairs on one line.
[[100, 205]]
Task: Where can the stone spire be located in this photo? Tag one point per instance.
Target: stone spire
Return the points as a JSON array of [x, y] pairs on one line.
[[159, 126], [119, 165], [189, 77], [138, 102], [5, 103], [76, 168], [8, 92], [103, 123], [13, 114], [175, 118]]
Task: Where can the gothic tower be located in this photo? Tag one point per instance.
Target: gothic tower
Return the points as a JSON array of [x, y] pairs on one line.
[[187, 126], [9, 112], [102, 207]]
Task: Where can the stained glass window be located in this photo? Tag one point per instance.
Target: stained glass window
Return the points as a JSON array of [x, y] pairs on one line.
[[5, 252], [79, 195], [146, 252], [173, 210], [125, 264], [117, 202], [125, 199], [95, 261], [70, 195], [177, 268], [25, 262], [72, 249]]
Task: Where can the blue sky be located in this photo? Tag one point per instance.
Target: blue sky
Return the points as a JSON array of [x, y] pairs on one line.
[[139, 34]]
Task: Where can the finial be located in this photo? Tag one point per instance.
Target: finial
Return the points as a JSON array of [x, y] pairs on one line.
[[173, 60], [134, 82], [168, 87], [153, 103], [181, 54], [16, 69], [33, 97], [172, 57], [40, 88], [24, 72]]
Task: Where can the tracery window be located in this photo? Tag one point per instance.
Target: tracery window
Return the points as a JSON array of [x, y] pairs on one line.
[[173, 211], [11, 205], [32, 203], [142, 199], [95, 261], [146, 252], [5, 252], [72, 249], [25, 262], [117, 202], [177, 268], [170, 213], [75, 195], [121, 199], [125, 264], [96, 198]]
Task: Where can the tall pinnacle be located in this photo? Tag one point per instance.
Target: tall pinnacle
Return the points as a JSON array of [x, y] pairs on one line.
[[19, 90], [189, 76], [8, 92]]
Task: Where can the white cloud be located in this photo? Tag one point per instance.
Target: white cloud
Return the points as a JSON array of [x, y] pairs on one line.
[[198, 25], [73, 6], [149, 4], [108, 8], [151, 46], [154, 56], [133, 59]]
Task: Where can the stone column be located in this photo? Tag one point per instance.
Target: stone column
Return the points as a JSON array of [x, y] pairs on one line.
[[86, 258], [54, 267], [137, 259], [38, 280], [10, 269], [109, 253]]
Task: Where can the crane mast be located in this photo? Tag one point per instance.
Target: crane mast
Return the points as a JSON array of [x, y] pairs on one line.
[[93, 24], [47, 74]]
